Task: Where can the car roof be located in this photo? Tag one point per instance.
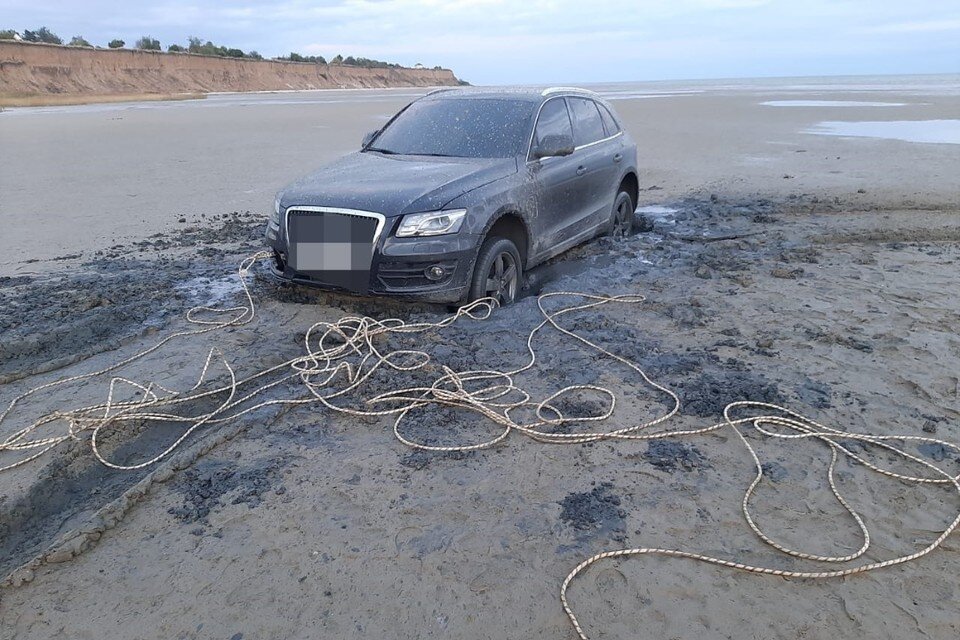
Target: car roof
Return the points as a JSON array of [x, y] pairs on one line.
[[530, 94]]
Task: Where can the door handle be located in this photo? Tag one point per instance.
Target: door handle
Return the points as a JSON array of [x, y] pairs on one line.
[[618, 157], [581, 170]]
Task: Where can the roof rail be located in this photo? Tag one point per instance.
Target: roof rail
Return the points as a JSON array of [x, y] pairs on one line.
[[547, 92], [440, 90]]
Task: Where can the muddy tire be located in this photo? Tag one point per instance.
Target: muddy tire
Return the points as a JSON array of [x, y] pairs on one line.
[[622, 217], [498, 272]]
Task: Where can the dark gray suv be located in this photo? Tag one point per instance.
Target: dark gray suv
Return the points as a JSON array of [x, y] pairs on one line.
[[458, 194]]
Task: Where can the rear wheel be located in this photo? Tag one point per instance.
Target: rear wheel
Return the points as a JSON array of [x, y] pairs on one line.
[[621, 224], [498, 272]]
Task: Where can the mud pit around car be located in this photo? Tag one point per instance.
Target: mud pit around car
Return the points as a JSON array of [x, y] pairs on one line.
[[337, 526]]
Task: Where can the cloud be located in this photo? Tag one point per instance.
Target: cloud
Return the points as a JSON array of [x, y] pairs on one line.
[[925, 26]]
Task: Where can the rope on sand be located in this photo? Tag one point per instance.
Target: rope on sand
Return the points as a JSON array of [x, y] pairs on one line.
[[341, 357]]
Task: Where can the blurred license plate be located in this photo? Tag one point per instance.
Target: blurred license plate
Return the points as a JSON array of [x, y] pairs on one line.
[[332, 248]]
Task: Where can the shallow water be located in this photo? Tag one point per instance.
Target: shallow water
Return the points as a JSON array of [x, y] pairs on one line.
[[830, 103], [928, 131], [660, 213], [211, 291], [656, 209]]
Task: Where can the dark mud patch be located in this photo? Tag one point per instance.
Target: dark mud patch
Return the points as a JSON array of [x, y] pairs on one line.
[[722, 259], [438, 426], [75, 485], [55, 320], [595, 255], [846, 340], [709, 393], [212, 484], [671, 456], [937, 452], [787, 274], [807, 255], [687, 315], [674, 364], [419, 459], [814, 394], [349, 303], [67, 491], [51, 323], [581, 404], [597, 511], [775, 471], [207, 234], [14, 281]]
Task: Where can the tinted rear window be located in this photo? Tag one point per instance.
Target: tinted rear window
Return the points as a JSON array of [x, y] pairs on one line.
[[460, 127], [609, 123], [587, 125]]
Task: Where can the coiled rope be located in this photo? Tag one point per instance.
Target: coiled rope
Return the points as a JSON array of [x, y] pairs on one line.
[[341, 357]]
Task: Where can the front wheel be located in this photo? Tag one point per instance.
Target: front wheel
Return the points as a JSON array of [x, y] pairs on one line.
[[497, 272], [621, 224]]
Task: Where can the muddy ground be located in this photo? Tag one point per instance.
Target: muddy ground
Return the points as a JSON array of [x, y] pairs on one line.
[[305, 524]]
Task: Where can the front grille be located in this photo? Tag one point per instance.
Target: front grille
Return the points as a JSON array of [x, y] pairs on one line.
[[410, 275], [332, 247]]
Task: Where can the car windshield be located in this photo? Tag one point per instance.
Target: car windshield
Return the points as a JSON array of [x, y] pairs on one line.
[[458, 127]]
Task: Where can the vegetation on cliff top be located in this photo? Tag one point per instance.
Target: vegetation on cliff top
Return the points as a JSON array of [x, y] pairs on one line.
[[197, 46]]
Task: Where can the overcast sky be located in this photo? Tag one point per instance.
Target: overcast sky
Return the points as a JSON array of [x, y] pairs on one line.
[[545, 41]]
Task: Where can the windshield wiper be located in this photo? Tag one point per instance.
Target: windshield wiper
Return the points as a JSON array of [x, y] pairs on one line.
[[385, 151], [438, 155]]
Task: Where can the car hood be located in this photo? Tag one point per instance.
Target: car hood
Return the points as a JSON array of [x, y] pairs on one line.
[[394, 185]]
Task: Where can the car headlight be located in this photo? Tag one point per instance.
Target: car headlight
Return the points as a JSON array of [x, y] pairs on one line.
[[433, 223]]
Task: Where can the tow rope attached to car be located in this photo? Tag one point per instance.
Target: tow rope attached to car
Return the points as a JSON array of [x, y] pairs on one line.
[[341, 356]]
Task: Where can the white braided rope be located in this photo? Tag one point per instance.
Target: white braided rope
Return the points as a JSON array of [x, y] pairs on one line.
[[341, 357]]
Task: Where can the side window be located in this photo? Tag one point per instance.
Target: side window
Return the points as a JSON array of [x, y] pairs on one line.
[[587, 125], [608, 121], [553, 120]]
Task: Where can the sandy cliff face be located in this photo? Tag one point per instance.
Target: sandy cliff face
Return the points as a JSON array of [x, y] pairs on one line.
[[31, 69]]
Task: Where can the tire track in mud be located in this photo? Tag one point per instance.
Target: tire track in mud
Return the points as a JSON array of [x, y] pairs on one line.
[[119, 294]]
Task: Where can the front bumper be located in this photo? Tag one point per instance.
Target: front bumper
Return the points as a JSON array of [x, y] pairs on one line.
[[399, 267]]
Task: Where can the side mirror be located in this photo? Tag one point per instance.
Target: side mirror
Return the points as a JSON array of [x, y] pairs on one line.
[[367, 139], [554, 145]]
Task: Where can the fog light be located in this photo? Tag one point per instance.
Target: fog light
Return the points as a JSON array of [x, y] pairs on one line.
[[435, 273]]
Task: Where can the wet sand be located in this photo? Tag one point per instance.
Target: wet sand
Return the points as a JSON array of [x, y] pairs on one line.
[[836, 294]]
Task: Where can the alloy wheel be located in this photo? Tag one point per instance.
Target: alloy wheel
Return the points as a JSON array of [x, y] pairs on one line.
[[502, 279], [621, 219]]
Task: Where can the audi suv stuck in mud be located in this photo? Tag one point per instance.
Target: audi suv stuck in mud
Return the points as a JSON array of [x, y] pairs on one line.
[[458, 194]]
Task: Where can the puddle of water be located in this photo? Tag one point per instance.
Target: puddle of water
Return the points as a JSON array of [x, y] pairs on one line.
[[647, 95], [929, 131], [656, 210], [829, 103], [211, 291]]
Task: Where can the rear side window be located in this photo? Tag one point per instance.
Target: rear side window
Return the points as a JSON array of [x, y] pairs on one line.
[[553, 121], [587, 125], [608, 121]]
